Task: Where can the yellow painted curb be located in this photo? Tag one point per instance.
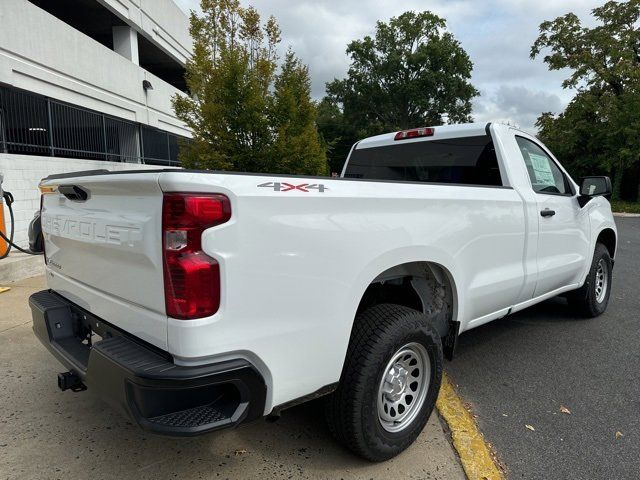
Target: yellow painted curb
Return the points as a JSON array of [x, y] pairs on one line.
[[4, 289], [467, 439]]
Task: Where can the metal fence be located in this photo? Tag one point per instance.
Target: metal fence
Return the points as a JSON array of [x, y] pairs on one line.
[[32, 124]]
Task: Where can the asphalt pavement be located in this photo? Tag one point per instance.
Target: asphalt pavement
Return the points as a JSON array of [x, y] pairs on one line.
[[522, 374]]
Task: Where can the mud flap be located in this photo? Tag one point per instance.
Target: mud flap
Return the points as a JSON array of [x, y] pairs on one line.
[[450, 341]]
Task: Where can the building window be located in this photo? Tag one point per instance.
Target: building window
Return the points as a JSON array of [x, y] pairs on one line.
[[77, 133], [123, 141], [155, 145], [31, 124], [24, 122]]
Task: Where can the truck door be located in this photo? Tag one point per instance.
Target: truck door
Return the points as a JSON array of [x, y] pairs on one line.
[[563, 227]]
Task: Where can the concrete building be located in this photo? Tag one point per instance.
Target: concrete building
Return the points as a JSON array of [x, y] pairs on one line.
[[87, 84]]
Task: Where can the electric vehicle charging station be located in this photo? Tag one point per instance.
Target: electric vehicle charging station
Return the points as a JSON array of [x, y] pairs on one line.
[[6, 237], [3, 228]]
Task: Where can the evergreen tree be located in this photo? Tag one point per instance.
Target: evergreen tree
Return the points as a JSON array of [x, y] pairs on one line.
[[234, 97], [297, 144]]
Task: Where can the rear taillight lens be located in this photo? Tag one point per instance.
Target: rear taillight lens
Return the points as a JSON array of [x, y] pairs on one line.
[[191, 277]]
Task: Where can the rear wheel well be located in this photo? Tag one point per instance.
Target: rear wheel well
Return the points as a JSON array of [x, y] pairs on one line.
[[423, 286], [607, 237], [398, 291]]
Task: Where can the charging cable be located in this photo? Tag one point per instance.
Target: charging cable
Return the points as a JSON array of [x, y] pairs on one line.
[[8, 198]]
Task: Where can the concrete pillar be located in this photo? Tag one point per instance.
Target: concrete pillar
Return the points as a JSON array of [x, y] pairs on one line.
[[125, 42]]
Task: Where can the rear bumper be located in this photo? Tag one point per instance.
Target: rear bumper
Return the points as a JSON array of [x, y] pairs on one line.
[[142, 381]]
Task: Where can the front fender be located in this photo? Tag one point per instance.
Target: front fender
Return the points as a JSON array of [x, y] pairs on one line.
[[600, 219]]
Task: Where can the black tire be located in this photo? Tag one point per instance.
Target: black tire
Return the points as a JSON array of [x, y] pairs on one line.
[[352, 410], [585, 299]]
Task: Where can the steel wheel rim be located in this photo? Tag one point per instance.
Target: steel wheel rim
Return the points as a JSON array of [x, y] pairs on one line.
[[602, 280], [403, 387]]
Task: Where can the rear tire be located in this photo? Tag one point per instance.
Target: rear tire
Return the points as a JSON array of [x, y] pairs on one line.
[[592, 298], [389, 383]]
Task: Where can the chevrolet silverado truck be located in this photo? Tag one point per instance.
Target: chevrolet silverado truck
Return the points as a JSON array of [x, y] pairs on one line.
[[198, 300]]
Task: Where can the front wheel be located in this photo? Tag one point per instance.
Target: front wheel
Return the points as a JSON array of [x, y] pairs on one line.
[[592, 298], [389, 384]]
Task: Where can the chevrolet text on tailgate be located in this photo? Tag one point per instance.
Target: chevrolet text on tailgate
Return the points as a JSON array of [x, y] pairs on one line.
[[194, 301]]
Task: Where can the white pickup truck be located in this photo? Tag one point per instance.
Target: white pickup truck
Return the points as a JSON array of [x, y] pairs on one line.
[[197, 300]]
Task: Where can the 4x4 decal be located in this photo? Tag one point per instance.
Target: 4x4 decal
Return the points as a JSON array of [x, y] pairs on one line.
[[287, 187]]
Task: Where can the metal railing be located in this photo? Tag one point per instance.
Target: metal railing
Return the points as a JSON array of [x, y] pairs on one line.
[[32, 124]]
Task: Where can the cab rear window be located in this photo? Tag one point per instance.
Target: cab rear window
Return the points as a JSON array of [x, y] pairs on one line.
[[463, 160]]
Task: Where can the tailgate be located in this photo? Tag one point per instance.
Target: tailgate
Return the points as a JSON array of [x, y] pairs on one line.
[[104, 249]]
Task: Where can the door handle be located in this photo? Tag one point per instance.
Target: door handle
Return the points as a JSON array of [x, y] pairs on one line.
[[547, 213]]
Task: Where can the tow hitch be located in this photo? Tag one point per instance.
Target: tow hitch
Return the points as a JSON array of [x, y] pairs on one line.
[[70, 381]]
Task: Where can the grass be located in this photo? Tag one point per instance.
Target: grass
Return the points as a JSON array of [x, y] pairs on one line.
[[620, 206]]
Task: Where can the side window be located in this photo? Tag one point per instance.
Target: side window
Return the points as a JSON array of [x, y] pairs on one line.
[[545, 175]]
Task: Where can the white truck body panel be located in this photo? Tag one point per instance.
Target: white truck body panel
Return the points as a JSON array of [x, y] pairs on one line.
[[294, 265], [104, 254]]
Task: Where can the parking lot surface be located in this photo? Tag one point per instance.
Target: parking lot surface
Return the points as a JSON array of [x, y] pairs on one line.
[[48, 434], [537, 365], [556, 395]]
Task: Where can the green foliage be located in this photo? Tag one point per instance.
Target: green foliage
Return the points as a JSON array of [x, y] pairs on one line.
[[339, 134], [625, 207], [297, 144], [599, 130], [410, 74], [244, 115]]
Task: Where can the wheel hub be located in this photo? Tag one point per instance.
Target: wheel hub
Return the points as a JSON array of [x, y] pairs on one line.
[[601, 281], [403, 387], [396, 382]]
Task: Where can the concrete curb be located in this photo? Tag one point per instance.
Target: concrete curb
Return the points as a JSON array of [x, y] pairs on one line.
[[473, 450], [18, 266], [626, 215]]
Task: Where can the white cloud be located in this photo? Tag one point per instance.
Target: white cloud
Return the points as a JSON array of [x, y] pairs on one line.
[[497, 34], [517, 105]]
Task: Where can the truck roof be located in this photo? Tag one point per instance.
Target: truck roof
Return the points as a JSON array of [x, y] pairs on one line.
[[440, 132]]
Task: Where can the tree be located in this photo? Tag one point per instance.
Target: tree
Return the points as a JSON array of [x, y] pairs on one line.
[[297, 145], [411, 73], [236, 95], [338, 134], [598, 131]]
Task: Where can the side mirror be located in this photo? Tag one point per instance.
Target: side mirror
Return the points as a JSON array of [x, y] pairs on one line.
[[594, 187]]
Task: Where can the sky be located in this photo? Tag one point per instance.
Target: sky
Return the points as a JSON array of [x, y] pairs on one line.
[[497, 35]]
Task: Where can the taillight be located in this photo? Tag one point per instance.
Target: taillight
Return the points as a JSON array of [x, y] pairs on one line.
[[44, 247], [191, 277], [415, 133]]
